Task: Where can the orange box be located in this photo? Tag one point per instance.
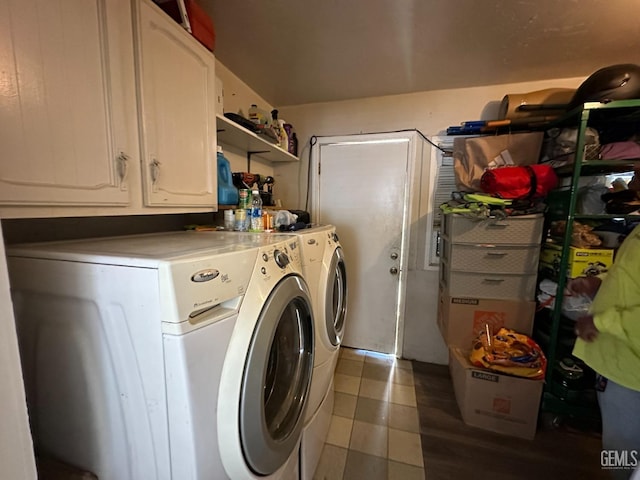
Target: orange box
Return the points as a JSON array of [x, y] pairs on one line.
[[201, 23], [462, 319]]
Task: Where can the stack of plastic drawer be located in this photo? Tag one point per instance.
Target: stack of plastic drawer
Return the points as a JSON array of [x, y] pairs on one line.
[[488, 273]]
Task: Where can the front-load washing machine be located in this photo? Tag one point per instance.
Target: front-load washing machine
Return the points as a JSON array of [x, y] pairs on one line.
[[269, 367], [325, 272], [124, 344]]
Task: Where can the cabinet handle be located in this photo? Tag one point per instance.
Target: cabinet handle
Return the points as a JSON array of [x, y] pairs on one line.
[[496, 254], [121, 166], [155, 170], [494, 280]]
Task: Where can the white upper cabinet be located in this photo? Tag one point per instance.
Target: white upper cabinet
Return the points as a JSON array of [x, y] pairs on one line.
[[68, 125], [177, 107]]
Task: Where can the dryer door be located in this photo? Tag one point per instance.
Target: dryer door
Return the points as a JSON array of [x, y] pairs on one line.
[[276, 377], [336, 298]]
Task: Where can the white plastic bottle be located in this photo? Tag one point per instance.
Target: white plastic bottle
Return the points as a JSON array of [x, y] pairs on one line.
[[284, 136], [256, 212], [278, 127]]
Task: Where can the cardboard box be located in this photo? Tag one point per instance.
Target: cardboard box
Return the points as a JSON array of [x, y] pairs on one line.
[[461, 319], [494, 401], [582, 262]]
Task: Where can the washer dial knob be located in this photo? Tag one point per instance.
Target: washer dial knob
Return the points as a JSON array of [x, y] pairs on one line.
[[281, 258]]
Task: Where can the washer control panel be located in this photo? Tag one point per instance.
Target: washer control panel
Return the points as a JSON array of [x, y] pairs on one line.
[[283, 256]]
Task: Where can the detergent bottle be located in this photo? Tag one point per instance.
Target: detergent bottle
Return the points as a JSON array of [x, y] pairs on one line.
[[227, 192]]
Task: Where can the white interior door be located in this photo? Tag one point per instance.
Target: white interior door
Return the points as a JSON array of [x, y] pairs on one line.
[[361, 188]]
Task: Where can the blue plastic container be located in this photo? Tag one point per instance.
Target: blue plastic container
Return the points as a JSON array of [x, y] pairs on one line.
[[227, 192]]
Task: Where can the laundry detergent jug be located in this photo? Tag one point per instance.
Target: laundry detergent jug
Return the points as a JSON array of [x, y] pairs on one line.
[[227, 192]]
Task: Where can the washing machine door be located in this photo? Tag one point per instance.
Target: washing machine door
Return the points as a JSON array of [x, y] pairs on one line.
[[336, 298], [276, 377]]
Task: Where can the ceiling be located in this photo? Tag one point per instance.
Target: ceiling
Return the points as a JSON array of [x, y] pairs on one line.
[[305, 51]]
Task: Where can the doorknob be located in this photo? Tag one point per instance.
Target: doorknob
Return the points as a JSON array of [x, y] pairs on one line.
[[394, 256], [393, 271]]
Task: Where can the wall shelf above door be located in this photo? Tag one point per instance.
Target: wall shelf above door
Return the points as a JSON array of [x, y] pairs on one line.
[[234, 135]]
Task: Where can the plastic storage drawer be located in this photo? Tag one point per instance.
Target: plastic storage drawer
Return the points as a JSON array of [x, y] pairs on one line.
[[488, 285], [491, 258], [517, 230]]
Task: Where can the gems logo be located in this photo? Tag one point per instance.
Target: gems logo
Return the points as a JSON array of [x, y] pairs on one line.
[[618, 459]]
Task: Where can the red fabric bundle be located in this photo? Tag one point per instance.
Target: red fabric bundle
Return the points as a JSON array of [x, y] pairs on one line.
[[532, 181]]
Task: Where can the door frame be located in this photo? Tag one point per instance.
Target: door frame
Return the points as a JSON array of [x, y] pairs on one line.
[[415, 198]]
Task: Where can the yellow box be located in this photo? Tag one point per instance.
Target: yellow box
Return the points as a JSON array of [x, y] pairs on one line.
[[582, 262]]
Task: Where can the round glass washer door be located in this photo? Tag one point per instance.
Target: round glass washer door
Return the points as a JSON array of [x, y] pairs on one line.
[[335, 309], [276, 377]]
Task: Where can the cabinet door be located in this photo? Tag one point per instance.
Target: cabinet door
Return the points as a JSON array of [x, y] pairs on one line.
[[67, 102], [177, 90]]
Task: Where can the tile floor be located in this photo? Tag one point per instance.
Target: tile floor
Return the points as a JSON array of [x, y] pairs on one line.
[[375, 428]]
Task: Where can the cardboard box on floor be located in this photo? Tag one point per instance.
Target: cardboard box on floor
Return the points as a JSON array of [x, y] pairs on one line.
[[494, 401], [461, 319]]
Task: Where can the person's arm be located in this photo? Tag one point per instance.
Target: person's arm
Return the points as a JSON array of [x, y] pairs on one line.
[[587, 286], [586, 329], [616, 309]]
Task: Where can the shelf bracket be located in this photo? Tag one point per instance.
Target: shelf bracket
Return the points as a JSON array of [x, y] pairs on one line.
[[257, 152]]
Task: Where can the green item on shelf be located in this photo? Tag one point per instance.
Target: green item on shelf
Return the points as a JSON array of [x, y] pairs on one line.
[[488, 199]]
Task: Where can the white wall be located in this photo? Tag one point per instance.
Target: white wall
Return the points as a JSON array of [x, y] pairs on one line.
[[431, 113], [16, 448]]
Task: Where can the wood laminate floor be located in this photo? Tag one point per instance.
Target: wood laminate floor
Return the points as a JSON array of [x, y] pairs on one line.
[[363, 446]]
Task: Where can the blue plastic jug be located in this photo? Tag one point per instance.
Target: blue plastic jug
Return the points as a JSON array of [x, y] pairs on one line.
[[227, 192]]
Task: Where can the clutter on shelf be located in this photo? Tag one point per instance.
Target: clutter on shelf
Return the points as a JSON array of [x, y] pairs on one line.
[[540, 109], [579, 165], [581, 234], [274, 129], [264, 183], [268, 127]]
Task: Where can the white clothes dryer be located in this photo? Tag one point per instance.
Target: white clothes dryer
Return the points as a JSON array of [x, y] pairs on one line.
[[324, 270], [124, 346], [332, 297]]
